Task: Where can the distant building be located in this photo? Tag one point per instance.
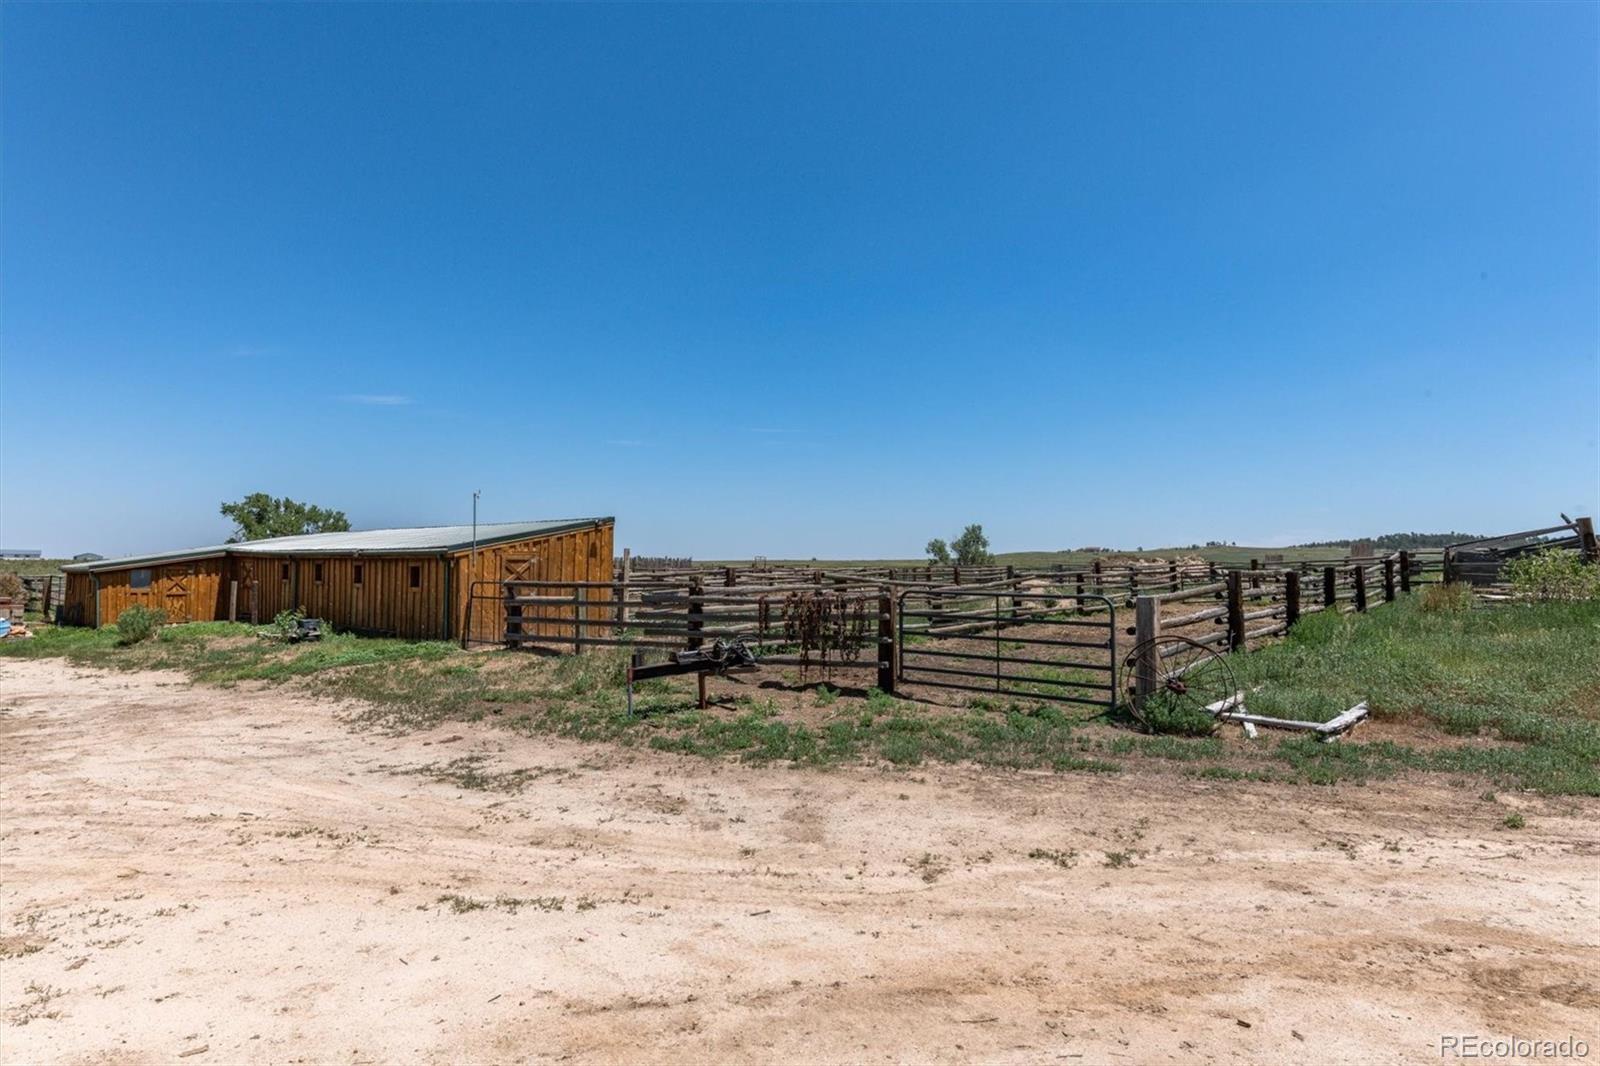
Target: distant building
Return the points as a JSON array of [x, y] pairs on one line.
[[21, 553], [87, 557]]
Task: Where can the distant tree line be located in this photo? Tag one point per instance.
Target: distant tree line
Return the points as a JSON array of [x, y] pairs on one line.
[[1396, 541]]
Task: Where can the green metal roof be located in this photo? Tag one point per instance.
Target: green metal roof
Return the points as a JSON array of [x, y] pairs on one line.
[[415, 540]]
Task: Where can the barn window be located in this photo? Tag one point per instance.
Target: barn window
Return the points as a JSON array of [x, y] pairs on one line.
[[416, 577], [316, 572], [139, 579], [356, 574], [284, 571]]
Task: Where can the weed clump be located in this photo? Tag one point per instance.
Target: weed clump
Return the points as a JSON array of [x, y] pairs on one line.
[[1177, 719], [1447, 599], [138, 624], [1554, 576]]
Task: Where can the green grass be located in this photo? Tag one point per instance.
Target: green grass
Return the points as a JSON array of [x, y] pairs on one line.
[[1522, 682], [32, 567]]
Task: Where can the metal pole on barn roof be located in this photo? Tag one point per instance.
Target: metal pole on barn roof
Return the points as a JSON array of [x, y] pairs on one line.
[[475, 494]]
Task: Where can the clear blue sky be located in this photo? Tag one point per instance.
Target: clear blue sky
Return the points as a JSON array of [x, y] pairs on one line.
[[801, 280]]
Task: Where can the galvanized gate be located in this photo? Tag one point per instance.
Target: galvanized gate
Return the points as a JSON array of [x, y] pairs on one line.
[[1046, 645]]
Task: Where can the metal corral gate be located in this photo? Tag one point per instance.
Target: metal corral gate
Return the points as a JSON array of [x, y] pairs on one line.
[[1029, 645]]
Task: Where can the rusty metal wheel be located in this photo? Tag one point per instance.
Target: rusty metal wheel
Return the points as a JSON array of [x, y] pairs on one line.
[[1184, 679]]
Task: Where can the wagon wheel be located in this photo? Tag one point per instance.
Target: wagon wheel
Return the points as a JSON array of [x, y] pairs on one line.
[[1186, 679]]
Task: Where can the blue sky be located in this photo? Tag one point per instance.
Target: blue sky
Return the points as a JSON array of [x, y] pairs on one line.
[[801, 280]]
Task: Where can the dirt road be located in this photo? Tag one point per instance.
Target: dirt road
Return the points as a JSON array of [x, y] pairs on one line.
[[236, 871]]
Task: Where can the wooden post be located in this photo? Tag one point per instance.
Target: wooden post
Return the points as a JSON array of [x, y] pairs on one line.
[[1405, 571], [513, 616], [49, 591], [1330, 586], [580, 612], [886, 662], [1099, 581], [1291, 597], [623, 615], [1172, 577], [1235, 610], [1361, 588], [233, 601], [1388, 581], [1146, 627], [956, 574], [1586, 540], [697, 609], [1078, 588], [1011, 582], [728, 578], [1255, 565]]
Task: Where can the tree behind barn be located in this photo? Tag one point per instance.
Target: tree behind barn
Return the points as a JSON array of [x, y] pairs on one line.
[[260, 515]]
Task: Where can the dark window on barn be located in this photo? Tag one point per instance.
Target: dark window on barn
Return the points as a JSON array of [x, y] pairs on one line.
[[139, 579], [316, 572], [356, 573], [285, 571], [416, 577]]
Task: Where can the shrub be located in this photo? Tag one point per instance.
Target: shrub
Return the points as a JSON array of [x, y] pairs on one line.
[[1553, 574], [1449, 599], [1176, 718], [139, 624], [284, 624], [11, 587]]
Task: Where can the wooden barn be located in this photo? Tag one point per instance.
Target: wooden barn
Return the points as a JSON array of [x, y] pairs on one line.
[[413, 583]]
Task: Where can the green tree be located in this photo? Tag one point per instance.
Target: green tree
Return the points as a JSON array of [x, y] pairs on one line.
[[972, 547], [259, 515], [938, 551]]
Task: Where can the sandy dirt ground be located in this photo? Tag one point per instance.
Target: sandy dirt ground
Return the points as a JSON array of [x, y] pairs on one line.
[[204, 875]]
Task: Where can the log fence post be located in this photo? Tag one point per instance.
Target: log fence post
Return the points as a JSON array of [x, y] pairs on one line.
[[1146, 628], [513, 614], [886, 648], [1235, 610], [622, 590], [1291, 598], [1330, 586], [1586, 539], [697, 610], [1388, 580], [1361, 588], [1405, 571]]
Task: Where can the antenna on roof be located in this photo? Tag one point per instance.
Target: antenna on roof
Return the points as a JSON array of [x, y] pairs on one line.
[[475, 494]]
